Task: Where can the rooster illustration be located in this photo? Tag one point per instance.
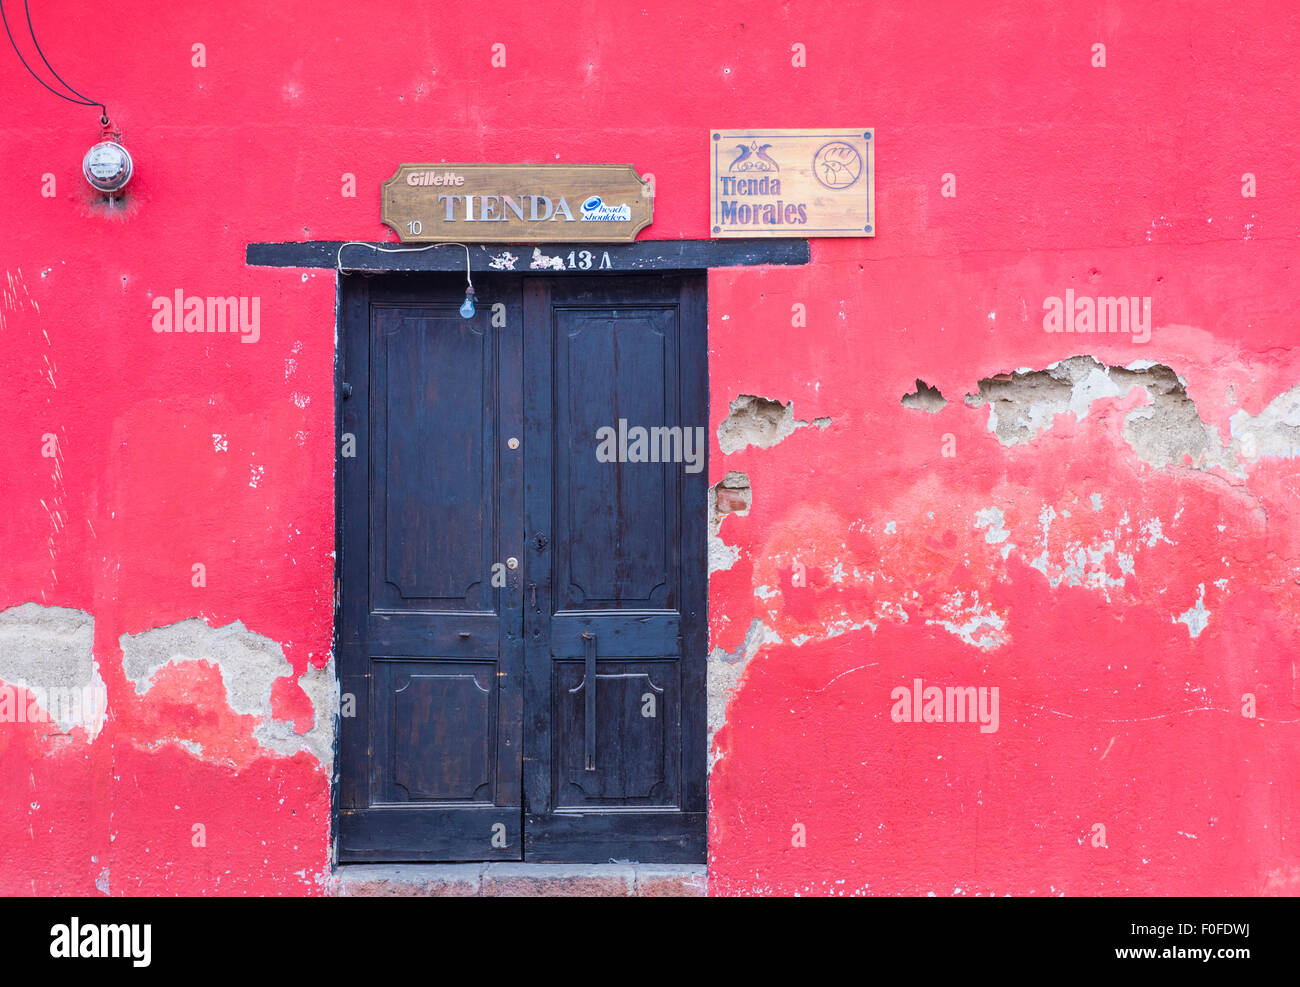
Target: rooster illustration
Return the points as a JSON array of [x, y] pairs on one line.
[[763, 156], [744, 153]]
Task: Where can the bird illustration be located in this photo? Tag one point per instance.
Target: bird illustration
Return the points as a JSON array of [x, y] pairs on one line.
[[763, 156], [744, 153]]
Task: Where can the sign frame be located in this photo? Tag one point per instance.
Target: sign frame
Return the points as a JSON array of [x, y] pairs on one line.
[[822, 176], [499, 203]]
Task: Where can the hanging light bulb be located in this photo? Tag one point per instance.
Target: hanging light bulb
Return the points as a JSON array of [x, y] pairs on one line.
[[466, 307]]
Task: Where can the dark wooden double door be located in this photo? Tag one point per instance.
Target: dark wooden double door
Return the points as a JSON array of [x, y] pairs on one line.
[[520, 624]]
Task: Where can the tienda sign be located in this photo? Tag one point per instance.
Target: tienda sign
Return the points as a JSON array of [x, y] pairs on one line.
[[806, 183], [522, 203]]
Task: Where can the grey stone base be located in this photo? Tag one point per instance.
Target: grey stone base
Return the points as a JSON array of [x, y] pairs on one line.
[[519, 880]]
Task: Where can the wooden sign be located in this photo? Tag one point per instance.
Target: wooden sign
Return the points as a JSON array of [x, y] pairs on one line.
[[519, 203], [804, 183]]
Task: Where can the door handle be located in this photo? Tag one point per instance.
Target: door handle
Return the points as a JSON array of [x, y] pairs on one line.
[[589, 681]]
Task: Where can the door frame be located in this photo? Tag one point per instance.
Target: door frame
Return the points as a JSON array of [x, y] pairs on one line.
[[353, 305]]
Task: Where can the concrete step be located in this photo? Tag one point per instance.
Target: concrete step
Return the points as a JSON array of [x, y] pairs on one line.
[[519, 880]]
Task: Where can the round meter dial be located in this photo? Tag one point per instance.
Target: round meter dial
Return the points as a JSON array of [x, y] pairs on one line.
[[107, 166]]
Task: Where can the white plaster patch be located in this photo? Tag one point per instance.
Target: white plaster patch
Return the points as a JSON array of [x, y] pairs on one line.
[[725, 671], [1095, 385], [1154, 531], [980, 628], [1274, 432], [721, 555], [993, 519], [1197, 618], [835, 628], [48, 651], [889, 610]]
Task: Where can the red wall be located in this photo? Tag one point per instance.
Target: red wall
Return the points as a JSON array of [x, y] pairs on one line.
[[1122, 179]]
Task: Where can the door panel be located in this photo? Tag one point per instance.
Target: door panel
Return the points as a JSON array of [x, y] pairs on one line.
[[614, 712], [607, 359], [638, 736], [429, 647], [445, 714], [432, 553]]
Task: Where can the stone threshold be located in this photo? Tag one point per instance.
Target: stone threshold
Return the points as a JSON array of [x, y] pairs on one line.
[[489, 880]]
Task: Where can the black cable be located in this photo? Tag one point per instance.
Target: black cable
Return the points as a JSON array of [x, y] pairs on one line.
[[83, 101], [32, 31]]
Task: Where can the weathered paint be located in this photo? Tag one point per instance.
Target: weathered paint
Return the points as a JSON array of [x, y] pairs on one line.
[[1121, 607]]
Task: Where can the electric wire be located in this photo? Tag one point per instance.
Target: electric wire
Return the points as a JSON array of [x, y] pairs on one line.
[[76, 92], [338, 257], [82, 101]]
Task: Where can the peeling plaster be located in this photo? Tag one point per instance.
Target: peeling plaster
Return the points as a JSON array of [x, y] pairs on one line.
[[924, 398], [49, 652], [760, 422], [1097, 558], [322, 688], [1166, 431], [982, 628], [249, 664], [725, 670], [1197, 618], [1275, 431], [992, 519], [735, 488]]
